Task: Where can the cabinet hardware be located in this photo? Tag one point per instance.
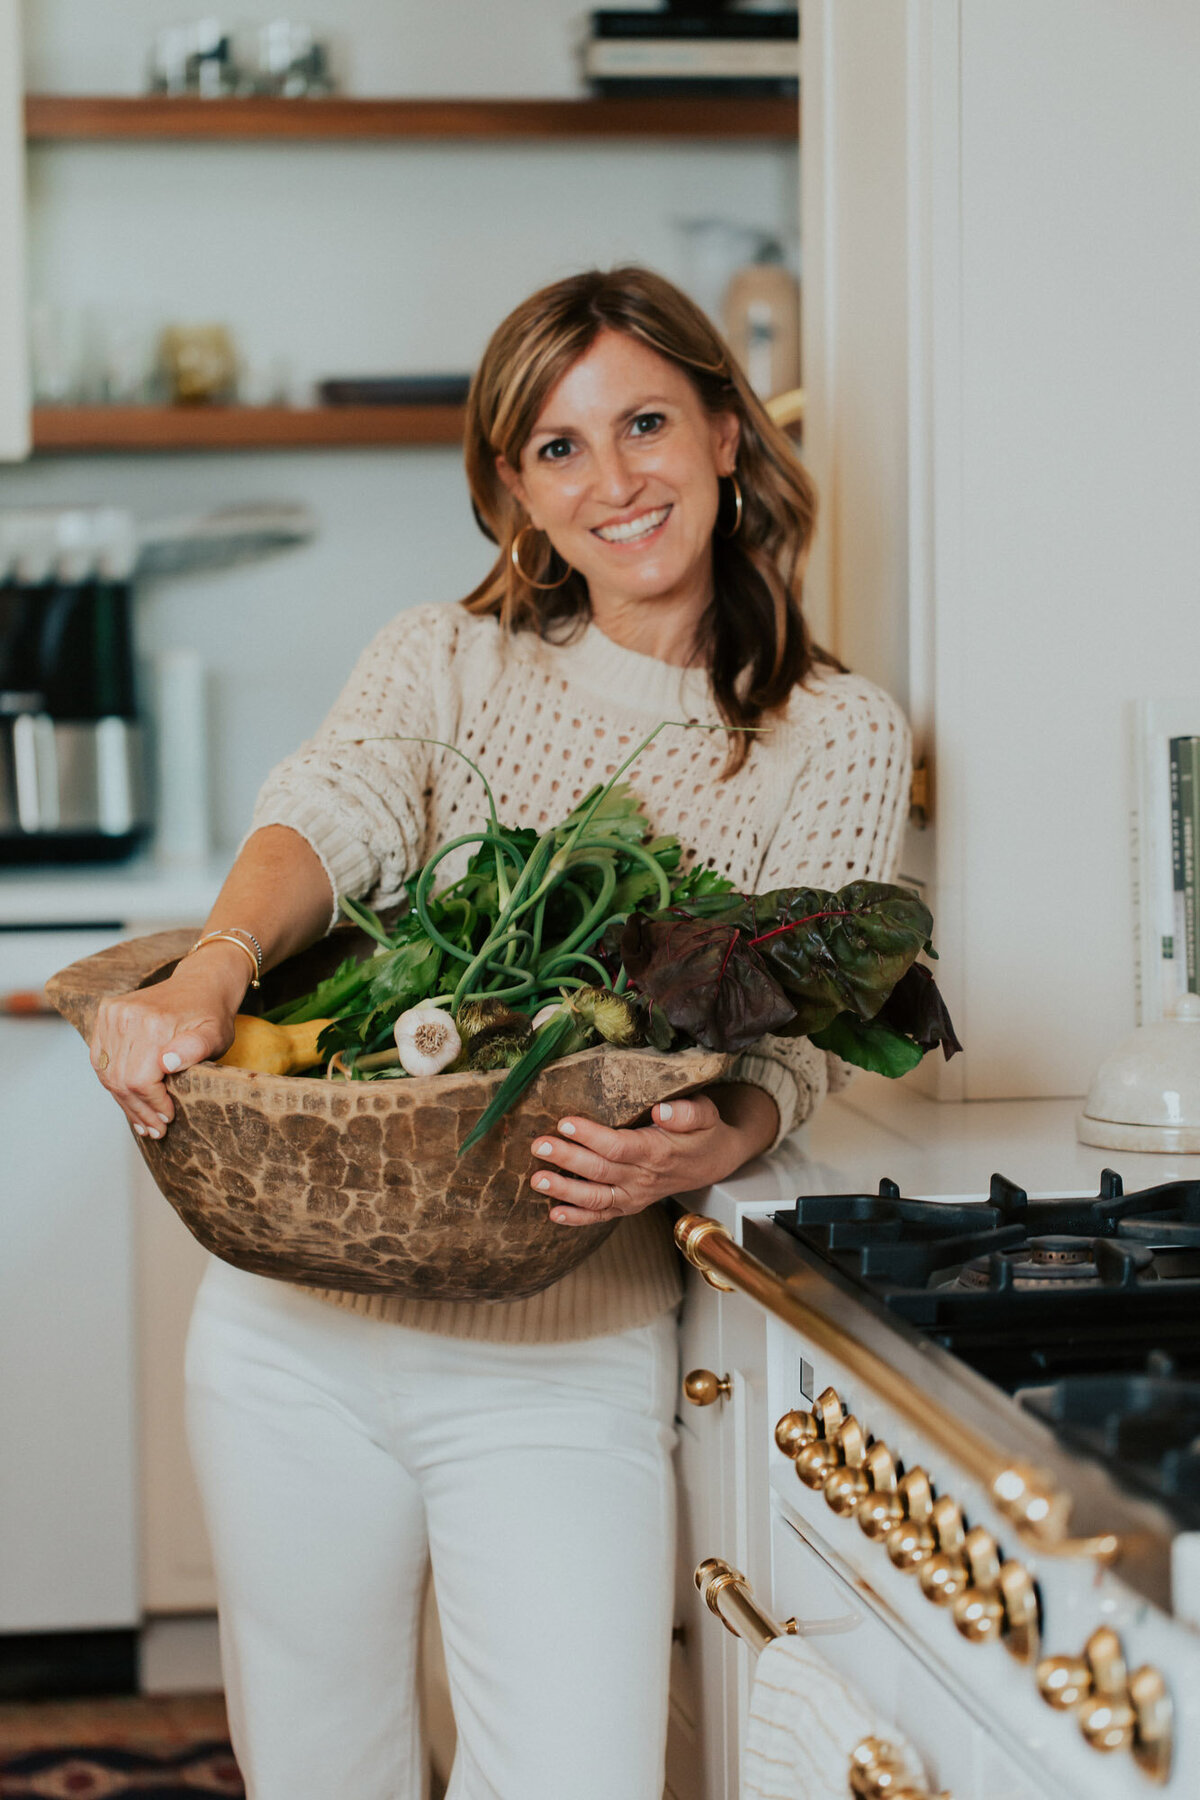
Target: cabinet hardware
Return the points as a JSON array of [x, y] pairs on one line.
[[728, 1595], [701, 1387], [849, 1483], [1063, 1681], [912, 1542], [883, 1508], [1038, 1511], [978, 1612], [1019, 1598], [879, 1771], [920, 795], [944, 1577]]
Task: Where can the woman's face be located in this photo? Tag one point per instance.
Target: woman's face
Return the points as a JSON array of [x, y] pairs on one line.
[[621, 474]]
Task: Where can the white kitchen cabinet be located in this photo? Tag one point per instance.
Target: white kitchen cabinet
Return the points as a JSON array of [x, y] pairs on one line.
[[1002, 278], [68, 1489], [14, 361]]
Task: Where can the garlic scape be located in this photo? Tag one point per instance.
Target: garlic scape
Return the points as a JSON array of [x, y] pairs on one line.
[[427, 1040]]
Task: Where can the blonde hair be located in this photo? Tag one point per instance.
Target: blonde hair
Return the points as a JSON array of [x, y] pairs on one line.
[[753, 639]]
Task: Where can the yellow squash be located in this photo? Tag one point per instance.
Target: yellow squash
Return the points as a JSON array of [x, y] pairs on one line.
[[273, 1049]]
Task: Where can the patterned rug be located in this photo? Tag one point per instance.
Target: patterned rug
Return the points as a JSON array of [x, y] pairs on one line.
[[168, 1749]]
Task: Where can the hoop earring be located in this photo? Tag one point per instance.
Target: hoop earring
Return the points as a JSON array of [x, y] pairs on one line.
[[515, 553], [737, 509]]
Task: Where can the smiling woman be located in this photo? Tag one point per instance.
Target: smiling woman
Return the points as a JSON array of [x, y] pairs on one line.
[[651, 527]]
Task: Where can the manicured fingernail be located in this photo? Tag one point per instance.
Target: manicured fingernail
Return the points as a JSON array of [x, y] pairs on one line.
[[543, 1183], [566, 1127], [150, 1132], [546, 1149], [666, 1110], [141, 1130], [165, 1117], [171, 1061], [559, 1218]]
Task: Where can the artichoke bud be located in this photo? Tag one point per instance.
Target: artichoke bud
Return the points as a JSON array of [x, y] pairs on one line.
[[614, 1016], [479, 1020], [502, 1050]]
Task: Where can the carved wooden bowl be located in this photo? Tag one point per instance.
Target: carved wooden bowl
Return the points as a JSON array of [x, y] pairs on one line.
[[359, 1185]]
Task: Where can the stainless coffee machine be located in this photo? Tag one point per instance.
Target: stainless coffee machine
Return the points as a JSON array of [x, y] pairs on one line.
[[72, 756]]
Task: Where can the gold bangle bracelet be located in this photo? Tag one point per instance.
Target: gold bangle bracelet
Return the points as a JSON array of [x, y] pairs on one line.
[[228, 937]]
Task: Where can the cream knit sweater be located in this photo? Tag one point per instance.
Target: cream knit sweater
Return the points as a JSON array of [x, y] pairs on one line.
[[821, 800]]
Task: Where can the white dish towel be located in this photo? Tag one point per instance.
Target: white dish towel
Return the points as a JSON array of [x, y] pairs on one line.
[[805, 1722]]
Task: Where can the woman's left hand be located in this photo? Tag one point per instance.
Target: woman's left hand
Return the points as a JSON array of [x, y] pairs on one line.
[[603, 1174]]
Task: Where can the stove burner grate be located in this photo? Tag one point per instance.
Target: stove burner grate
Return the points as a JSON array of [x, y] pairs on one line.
[[1058, 1262]]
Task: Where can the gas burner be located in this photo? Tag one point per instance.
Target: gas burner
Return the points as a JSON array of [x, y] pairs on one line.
[[1058, 1262]]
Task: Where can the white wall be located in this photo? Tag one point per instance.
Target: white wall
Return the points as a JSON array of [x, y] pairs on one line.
[[14, 396], [344, 259], [1012, 440]]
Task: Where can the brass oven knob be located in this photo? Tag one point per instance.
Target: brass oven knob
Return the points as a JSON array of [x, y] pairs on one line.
[[1018, 1595], [978, 1610], [1154, 1724], [828, 1412], [945, 1576], [1105, 1715], [911, 1542], [794, 1430], [1063, 1681], [702, 1387], [878, 1772], [816, 1462], [883, 1506], [849, 1484]]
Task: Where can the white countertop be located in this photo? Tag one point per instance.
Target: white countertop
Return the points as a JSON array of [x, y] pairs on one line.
[[136, 894], [933, 1148]]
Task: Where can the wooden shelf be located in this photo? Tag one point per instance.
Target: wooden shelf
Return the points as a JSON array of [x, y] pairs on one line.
[[65, 430], [50, 117]]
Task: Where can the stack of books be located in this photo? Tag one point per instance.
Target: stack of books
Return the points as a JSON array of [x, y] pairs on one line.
[[699, 53], [1165, 840]]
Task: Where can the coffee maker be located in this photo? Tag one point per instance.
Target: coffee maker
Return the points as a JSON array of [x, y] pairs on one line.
[[72, 754]]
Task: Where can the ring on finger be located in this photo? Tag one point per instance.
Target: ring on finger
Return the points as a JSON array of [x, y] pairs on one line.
[[102, 1061], [612, 1194]]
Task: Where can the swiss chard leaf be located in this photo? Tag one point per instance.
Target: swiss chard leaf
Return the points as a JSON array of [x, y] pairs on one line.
[[706, 978], [916, 1009], [869, 1045], [840, 952]]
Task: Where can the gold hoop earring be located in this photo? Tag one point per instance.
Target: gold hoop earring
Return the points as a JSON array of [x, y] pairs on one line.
[[737, 509], [515, 553]]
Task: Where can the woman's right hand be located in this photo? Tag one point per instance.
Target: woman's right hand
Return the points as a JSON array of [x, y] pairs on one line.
[[156, 1031]]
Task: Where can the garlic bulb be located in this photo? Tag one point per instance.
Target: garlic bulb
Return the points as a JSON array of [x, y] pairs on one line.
[[427, 1040]]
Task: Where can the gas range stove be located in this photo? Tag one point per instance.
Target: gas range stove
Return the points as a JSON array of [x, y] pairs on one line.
[[1085, 1308]]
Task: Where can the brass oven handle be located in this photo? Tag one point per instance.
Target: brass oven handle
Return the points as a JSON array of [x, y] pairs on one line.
[[1038, 1511], [879, 1771], [727, 1593], [701, 1387]]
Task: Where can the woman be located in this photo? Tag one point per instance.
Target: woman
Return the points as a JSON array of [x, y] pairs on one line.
[[652, 527]]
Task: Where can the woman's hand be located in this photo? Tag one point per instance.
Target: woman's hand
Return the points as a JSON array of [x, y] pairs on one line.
[[604, 1174], [159, 1030]]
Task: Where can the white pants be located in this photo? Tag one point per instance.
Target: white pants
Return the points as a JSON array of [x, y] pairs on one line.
[[336, 1453]]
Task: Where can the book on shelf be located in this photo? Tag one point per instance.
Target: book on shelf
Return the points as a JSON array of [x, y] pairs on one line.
[[1165, 841], [697, 53]]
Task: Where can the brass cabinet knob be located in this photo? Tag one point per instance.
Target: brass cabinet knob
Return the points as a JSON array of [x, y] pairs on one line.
[[1019, 1597], [1153, 1722], [849, 1484], [1063, 1681], [701, 1387], [794, 1430]]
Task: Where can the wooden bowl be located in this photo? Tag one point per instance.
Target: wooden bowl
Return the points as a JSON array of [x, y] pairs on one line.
[[359, 1185]]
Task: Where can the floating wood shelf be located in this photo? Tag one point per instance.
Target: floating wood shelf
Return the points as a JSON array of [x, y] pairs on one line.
[[50, 117], [62, 430]]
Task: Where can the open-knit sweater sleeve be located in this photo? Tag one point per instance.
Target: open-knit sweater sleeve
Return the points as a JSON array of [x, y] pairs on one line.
[[356, 791], [843, 821]]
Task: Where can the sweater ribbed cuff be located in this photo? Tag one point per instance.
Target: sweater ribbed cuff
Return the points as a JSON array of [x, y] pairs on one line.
[[774, 1079]]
